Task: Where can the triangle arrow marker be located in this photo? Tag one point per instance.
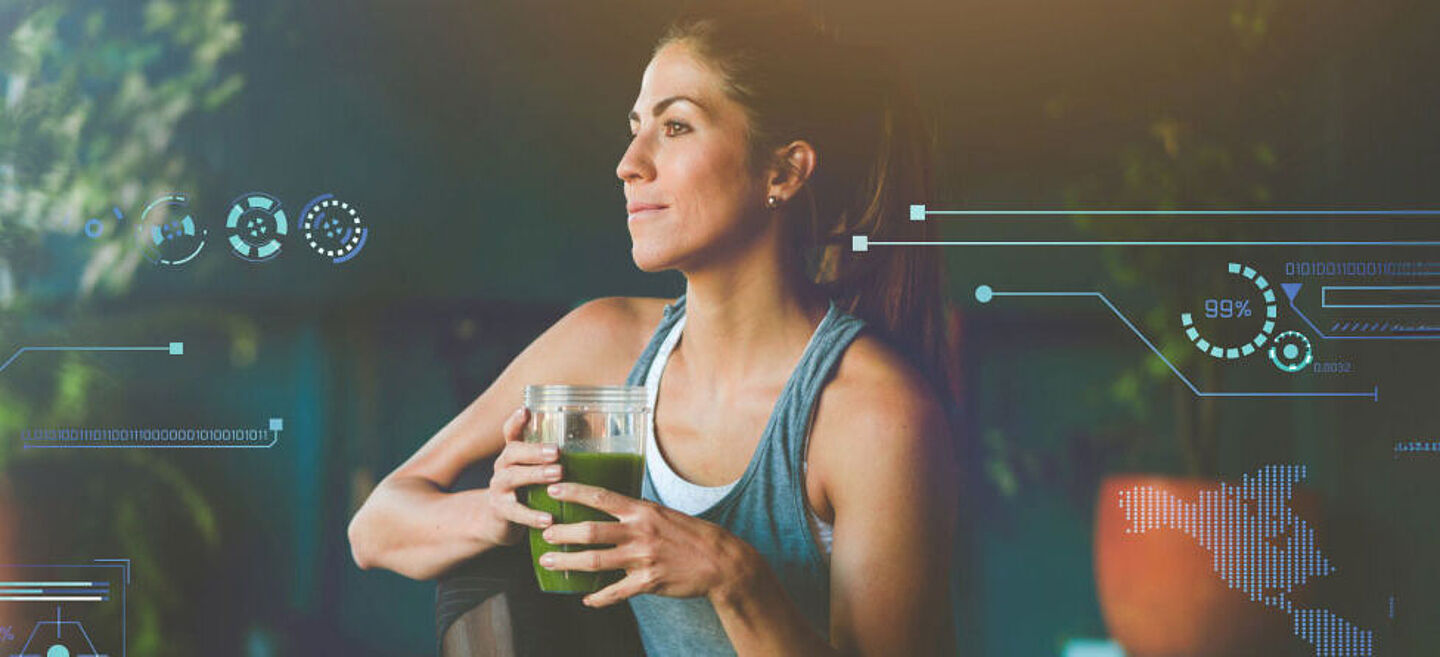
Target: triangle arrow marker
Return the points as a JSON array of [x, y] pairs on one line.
[[1291, 289]]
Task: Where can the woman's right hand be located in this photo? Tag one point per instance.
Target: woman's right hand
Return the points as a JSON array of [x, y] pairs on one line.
[[519, 464]]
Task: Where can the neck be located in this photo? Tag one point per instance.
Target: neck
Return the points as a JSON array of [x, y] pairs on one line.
[[747, 320]]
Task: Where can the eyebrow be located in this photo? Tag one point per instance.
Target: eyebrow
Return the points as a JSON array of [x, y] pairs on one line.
[[660, 106]]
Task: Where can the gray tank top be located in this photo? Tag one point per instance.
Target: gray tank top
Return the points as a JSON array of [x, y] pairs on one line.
[[766, 507]]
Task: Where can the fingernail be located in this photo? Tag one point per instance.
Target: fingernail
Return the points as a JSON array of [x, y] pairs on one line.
[[519, 411], [552, 471], [543, 519], [547, 560], [555, 489], [550, 451], [547, 535]]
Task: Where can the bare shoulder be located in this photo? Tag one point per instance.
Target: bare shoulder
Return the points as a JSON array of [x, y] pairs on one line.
[[874, 383], [621, 325], [876, 397], [622, 319]]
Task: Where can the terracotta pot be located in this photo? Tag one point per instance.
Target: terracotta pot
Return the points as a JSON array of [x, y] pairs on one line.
[[1159, 592]]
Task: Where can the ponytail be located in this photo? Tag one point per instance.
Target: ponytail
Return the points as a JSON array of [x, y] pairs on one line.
[[796, 80]]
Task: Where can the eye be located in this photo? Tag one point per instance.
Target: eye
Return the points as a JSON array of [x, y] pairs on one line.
[[673, 128]]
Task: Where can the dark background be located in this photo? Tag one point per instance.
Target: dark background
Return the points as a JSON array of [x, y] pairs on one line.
[[480, 139]]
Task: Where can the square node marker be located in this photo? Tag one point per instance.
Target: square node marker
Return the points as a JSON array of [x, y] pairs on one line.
[[859, 243], [277, 424], [177, 348], [917, 213]]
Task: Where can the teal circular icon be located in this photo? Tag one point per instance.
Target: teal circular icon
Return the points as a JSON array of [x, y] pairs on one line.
[[1290, 352], [256, 227], [168, 233]]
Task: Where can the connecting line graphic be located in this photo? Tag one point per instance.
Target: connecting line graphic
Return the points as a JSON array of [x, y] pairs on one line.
[[919, 212], [863, 243], [174, 349], [109, 438], [984, 294]]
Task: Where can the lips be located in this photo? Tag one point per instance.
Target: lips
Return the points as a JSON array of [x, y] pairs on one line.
[[635, 208], [638, 211]]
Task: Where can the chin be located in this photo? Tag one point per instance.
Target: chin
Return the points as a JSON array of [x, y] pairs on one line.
[[652, 255], [647, 260]]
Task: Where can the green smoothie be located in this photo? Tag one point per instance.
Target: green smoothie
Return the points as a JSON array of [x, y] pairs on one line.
[[621, 473]]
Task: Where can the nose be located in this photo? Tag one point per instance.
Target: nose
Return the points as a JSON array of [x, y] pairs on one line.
[[636, 164]]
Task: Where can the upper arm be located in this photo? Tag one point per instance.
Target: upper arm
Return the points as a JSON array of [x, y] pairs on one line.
[[891, 480], [593, 344]]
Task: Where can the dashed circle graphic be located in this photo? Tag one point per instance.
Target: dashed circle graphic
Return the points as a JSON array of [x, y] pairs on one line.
[[333, 228], [1187, 321]]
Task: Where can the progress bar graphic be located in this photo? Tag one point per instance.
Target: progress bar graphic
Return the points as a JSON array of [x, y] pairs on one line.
[[54, 591]]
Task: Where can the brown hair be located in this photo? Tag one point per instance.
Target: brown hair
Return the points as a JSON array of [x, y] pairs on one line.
[[798, 81]]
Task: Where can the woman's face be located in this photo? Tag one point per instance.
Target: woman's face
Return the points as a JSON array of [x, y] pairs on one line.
[[690, 198]]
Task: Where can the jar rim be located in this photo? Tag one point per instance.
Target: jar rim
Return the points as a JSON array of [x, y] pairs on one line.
[[566, 394]]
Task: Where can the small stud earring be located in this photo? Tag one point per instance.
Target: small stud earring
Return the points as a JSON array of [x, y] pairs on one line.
[[772, 202]]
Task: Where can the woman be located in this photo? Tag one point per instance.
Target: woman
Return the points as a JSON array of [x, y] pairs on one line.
[[800, 492]]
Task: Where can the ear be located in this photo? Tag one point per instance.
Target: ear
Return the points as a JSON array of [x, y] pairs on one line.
[[794, 162]]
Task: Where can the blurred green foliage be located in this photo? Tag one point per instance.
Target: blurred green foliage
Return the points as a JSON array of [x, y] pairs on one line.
[[91, 97], [1190, 162], [93, 94], [1182, 155]]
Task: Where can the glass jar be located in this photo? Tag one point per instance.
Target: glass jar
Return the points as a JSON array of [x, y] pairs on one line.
[[601, 432]]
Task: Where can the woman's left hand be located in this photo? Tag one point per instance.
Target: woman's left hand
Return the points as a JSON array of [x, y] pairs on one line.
[[661, 550]]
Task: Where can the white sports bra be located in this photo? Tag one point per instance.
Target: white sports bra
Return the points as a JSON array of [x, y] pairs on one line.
[[673, 490]]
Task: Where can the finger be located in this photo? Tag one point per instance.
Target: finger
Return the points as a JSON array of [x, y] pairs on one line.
[[523, 515], [514, 424], [515, 476], [628, 587], [587, 533], [595, 497], [528, 453], [586, 560]]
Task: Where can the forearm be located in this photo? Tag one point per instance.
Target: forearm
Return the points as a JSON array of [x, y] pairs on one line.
[[411, 526], [760, 618]]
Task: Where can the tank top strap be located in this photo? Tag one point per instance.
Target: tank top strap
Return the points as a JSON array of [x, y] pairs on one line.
[[642, 364], [811, 374], [836, 331]]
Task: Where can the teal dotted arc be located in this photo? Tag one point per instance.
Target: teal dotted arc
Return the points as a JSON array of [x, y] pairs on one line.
[[166, 240], [1187, 321]]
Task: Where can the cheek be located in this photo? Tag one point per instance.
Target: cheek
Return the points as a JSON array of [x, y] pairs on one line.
[[711, 186]]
